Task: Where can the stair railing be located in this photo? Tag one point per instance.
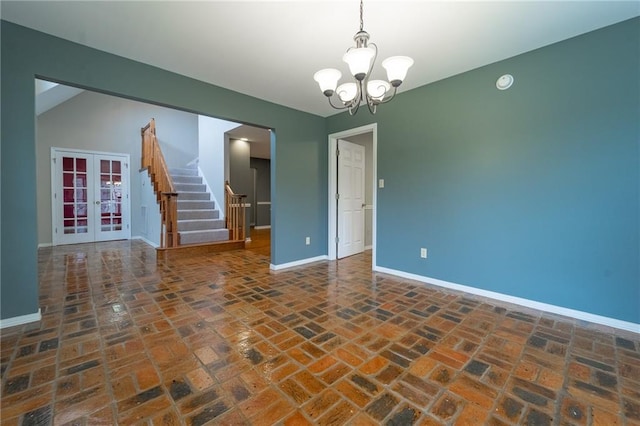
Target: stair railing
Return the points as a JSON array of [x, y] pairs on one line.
[[235, 213], [153, 161]]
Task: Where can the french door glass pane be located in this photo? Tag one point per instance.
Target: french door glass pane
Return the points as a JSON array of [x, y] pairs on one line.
[[67, 164], [74, 195], [110, 195]]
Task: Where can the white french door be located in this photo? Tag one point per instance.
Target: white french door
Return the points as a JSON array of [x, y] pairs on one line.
[[351, 164], [90, 196]]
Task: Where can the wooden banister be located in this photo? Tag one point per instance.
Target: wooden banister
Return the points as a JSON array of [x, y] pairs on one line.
[[153, 161], [235, 213]]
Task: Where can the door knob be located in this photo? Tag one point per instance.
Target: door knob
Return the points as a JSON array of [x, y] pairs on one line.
[[97, 202]]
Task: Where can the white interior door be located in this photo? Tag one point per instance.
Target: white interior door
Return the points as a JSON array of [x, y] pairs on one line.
[[112, 196], [90, 197], [351, 164]]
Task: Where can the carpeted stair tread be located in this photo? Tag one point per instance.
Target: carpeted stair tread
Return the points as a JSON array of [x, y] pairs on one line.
[[198, 219], [193, 237]]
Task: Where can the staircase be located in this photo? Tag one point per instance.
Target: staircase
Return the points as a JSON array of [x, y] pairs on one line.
[[198, 219], [190, 222]]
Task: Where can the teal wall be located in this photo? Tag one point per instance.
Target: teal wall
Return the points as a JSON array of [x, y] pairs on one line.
[[532, 192], [27, 54]]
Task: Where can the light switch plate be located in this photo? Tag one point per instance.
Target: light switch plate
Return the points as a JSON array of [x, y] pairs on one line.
[[381, 183]]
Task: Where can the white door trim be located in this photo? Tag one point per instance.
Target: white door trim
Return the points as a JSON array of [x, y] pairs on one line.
[[333, 187]]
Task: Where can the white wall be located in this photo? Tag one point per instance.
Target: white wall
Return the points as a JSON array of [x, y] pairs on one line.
[[149, 212], [212, 153], [97, 122]]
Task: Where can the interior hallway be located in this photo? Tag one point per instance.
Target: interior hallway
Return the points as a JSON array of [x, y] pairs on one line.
[[126, 338]]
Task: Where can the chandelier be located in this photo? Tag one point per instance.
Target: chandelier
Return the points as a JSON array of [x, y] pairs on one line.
[[360, 60]]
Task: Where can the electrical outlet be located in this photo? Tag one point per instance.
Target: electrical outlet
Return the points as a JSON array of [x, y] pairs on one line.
[[423, 253], [307, 240]]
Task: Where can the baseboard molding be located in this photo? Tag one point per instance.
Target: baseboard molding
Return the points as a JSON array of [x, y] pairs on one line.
[[262, 227], [20, 320], [43, 245], [151, 243], [580, 315], [298, 263]]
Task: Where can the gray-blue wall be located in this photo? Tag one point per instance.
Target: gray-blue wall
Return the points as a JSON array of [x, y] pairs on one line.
[[27, 54], [532, 192]]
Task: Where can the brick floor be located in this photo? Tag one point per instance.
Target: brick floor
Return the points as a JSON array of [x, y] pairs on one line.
[[128, 338]]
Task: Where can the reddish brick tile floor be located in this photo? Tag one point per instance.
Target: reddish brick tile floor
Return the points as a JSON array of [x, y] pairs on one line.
[[126, 338]]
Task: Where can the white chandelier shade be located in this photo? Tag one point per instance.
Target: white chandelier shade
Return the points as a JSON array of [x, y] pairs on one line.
[[397, 68], [376, 89], [347, 91], [361, 59], [328, 80]]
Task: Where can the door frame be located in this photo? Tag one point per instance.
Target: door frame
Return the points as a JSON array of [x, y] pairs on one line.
[[55, 239], [333, 188]]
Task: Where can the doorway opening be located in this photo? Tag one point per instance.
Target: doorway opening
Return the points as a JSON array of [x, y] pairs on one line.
[[84, 121], [365, 136]]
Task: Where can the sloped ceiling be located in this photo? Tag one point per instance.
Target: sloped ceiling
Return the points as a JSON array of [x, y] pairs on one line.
[[50, 95]]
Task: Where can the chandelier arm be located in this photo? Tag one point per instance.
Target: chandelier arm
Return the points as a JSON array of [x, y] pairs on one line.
[[365, 82], [353, 108], [354, 104], [362, 91], [343, 106], [385, 100], [373, 61], [372, 107]]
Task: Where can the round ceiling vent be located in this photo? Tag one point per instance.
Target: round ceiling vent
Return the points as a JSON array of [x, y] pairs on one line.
[[504, 82]]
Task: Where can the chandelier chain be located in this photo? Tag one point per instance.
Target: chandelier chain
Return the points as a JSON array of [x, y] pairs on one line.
[[361, 20]]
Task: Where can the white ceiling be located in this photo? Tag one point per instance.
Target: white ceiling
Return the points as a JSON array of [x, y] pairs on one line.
[[259, 139], [271, 50]]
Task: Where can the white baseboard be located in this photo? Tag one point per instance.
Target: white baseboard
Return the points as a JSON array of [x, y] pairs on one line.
[[262, 227], [151, 243], [20, 320], [297, 263], [42, 245], [580, 315]]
